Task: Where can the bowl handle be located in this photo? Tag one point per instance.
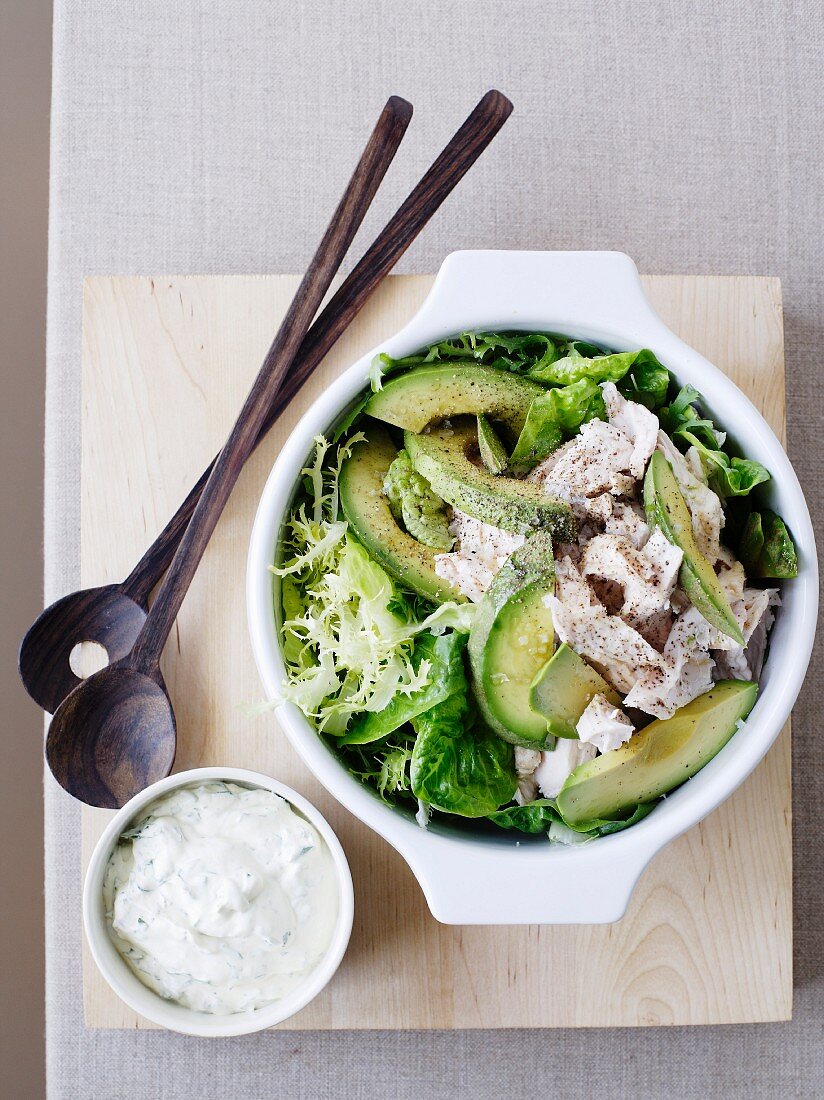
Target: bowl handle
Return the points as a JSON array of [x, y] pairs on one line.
[[487, 289], [511, 883]]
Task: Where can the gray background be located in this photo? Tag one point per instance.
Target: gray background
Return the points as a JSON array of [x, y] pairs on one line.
[[215, 137]]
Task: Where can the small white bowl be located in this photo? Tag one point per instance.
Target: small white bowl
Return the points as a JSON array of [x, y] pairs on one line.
[[509, 878], [168, 1014]]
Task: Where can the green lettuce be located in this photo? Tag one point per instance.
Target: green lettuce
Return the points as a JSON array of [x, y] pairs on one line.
[[348, 634], [647, 382], [457, 767], [415, 506], [438, 660], [727, 476], [550, 415], [576, 364], [538, 816]]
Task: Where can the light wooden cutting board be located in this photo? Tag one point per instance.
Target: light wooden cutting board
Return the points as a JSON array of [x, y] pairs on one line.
[[708, 935]]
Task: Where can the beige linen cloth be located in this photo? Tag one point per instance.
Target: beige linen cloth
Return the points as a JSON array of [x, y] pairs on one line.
[[215, 136]]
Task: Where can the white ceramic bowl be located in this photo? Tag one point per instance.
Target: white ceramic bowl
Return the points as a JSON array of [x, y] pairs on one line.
[[595, 296], [168, 1014]]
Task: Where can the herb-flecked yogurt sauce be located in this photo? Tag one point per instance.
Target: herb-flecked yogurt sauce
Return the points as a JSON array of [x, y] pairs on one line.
[[221, 898]]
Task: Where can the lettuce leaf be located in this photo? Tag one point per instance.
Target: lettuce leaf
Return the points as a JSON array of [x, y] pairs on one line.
[[439, 660], [538, 816], [729, 477], [559, 410], [459, 767], [415, 506], [647, 382], [533, 818], [348, 633], [576, 364]]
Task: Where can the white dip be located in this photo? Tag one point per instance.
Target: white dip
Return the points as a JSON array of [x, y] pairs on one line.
[[221, 898]]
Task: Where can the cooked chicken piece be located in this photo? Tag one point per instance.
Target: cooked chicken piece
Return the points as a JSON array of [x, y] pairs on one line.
[[635, 421], [629, 521], [480, 552], [589, 470], [686, 670], [731, 575], [755, 617], [618, 651], [647, 577], [704, 505], [603, 725], [526, 761], [560, 762]]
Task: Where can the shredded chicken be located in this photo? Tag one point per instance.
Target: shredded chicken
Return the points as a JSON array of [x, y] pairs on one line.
[[590, 470], [618, 651], [636, 422], [628, 521], [646, 577], [603, 725], [480, 552], [526, 761], [753, 611], [561, 762]]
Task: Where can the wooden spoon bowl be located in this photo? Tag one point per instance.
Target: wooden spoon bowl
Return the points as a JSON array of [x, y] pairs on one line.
[[113, 736], [105, 615]]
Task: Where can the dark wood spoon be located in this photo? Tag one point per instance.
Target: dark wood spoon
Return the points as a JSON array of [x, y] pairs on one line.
[[113, 614], [116, 731]]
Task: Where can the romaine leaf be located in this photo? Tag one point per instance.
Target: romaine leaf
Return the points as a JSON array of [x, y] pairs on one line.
[[576, 365], [729, 477], [533, 817], [439, 660], [459, 768], [537, 817], [647, 382], [559, 410], [415, 505]]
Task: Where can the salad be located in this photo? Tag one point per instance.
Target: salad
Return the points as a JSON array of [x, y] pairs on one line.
[[528, 584]]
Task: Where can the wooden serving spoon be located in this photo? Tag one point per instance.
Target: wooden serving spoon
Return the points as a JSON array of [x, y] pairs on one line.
[[116, 731], [113, 615]]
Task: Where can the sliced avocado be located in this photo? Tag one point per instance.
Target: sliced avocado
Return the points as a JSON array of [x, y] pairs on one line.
[[564, 688], [428, 394], [510, 640], [667, 509], [493, 452], [442, 456], [367, 509], [659, 757]]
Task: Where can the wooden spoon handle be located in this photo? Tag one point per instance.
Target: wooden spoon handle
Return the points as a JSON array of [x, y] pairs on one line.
[[446, 172], [374, 162]]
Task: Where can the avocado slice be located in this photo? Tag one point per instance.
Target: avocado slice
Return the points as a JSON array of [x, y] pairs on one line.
[[511, 638], [564, 688], [427, 394], [667, 509], [442, 456], [367, 509], [659, 757], [493, 453]]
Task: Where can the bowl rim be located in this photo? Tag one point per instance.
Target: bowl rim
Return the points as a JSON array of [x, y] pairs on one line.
[[720, 777], [168, 1014]]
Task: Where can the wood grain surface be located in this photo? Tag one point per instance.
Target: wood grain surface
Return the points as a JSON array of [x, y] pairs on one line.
[[708, 934]]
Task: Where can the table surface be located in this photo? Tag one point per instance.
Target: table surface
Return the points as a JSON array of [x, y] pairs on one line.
[[215, 136]]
